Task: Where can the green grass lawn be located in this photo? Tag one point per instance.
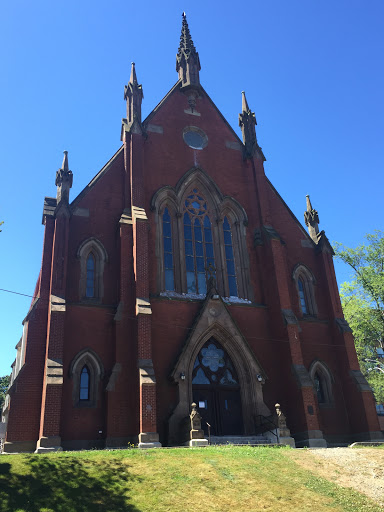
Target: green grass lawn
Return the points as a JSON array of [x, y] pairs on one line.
[[227, 478]]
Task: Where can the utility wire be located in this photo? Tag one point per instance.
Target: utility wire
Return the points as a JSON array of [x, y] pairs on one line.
[[191, 328]]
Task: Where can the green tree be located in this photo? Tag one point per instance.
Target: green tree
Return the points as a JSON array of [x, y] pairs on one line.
[[4, 383], [363, 304]]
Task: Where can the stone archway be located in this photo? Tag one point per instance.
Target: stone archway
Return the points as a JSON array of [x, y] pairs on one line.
[[216, 391], [215, 322]]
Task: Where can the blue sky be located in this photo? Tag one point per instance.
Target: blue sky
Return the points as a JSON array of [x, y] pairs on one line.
[[312, 71]]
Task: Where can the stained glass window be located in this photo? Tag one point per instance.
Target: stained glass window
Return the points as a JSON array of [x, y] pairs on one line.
[[213, 366], [90, 287], [198, 243], [84, 384], [168, 252], [303, 303], [230, 260]]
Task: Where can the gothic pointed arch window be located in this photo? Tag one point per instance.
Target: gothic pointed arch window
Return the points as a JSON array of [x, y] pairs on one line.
[[200, 234], [93, 257], [305, 287], [86, 372], [322, 383]]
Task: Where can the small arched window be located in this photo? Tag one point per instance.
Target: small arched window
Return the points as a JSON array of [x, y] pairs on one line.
[[92, 256], [90, 286], [322, 383], [86, 370], [305, 281], [84, 384]]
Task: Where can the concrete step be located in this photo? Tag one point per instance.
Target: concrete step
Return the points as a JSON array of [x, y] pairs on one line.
[[252, 440]]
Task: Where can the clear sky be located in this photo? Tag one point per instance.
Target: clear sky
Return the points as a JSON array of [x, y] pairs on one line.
[[312, 71]]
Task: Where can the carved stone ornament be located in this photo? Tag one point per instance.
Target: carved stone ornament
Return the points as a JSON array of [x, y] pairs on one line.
[[281, 422], [196, 432], [195, 418]]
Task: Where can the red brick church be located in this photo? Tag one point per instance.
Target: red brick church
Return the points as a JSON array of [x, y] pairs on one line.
[[179, 274]]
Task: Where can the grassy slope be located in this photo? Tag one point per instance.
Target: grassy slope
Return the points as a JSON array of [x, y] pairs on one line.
[[210, 479]]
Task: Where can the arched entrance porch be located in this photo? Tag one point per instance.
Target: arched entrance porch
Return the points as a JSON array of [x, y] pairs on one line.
[[216, 390], [214, 322]]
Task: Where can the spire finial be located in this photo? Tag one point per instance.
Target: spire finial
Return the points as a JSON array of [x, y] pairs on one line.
[[244, 103], [311, 218], [187, 58], [64, 180], [247, 122], [64, 165], [133, 77], [133, 94]]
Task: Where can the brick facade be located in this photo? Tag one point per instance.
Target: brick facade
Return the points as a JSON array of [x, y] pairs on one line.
[[134, 335]]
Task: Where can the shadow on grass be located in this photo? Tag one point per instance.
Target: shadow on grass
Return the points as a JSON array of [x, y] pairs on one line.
[[66, 484]]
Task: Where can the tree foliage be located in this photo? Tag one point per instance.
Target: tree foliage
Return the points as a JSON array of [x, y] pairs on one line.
[[363, 304], [4, 383]]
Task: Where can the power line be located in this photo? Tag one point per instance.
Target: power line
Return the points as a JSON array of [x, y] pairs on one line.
[[191, 328], [18, 293]]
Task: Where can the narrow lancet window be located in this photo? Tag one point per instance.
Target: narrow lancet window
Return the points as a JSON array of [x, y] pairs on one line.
[[84, 384], [303, 302], [90, 288], [168, 252], [230, 260], [319, 388], [198, 243]]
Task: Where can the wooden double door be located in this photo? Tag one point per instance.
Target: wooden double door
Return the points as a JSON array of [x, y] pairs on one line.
[[221, 408], [216, 391]]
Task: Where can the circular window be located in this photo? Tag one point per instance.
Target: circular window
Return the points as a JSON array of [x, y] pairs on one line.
[[194, 137]]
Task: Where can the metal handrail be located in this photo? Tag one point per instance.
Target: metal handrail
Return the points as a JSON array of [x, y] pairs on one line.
[[263, 421]]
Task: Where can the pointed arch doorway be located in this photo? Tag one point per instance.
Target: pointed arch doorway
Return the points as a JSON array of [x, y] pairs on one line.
[[216, 390]]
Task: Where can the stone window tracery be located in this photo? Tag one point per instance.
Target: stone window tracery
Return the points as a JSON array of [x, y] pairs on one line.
[[200, 234], [213, 365]]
